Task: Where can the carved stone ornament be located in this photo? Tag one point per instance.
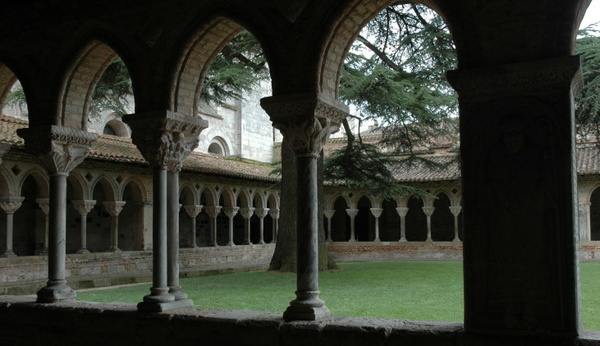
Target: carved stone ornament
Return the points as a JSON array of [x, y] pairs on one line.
[[59, 148], [114, 208], [165, 138], [11, 204], [192, 210], [274, 213], [4, 148], [261, 212], [519, 76], [247, 212], [44, 204], [305, 120], [83, 207]]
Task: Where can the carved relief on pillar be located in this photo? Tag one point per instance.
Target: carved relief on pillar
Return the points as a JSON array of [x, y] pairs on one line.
[[305, 120], [247, 212], [402, 211], [428, 211], [213, 211], [262, 212], [11, 204], [114, 208], [193, 210], [230, 212], [165, 138], [455, 210], [59, 148], [83, 207], [376, 212]]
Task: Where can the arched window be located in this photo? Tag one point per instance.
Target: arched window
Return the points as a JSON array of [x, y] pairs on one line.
[[218, 146], [116, 128]]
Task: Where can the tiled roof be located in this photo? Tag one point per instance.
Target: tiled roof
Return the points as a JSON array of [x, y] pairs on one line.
[[588, 159], [117, 149], [441, 168]]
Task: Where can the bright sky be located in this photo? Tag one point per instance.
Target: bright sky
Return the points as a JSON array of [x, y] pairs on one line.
[[592, 15]]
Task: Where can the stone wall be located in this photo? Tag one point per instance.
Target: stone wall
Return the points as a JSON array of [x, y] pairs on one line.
[[395, 251]]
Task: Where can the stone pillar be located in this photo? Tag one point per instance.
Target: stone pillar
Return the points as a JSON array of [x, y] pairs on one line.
[[428, 212], [306, 121], [113, 208], [352, 213], [275, 216], [4, 148], [84, 207], [519, 197], [231, 212], [60, 150], [213, 211], [262, 213], [10, 205], [329, 214], [247, 214], [402, 211], [165, 139], [193, 211], [455, 210], [377, 213], [44, 204], [585, 229]]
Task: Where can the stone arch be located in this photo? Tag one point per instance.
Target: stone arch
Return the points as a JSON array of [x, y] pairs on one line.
[[229, 197], [80, 81], [209, 196], [187, 195], [442, 220], [364, 221], [218, 146], [340, 222], [416, 221], [5, 182], [245, 197], [7, 80], [81, 187], [343, 32], [98, 232], [273, 200], [116, 127], [40, 179], [131, 218], [29, 219], [109, 187], [259, 199]]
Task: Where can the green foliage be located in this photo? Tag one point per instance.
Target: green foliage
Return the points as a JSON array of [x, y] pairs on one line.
[[587, 113], [17, 98], [113, 91]]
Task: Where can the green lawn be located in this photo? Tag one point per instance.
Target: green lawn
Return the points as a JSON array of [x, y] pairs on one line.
[[412, 290]]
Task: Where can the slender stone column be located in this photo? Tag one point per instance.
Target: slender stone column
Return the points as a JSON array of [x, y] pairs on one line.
[[352, 213], [60, 150], [230, 212], [4, 148], [428, 212], [247, 214], [261, 213], [585, 229], [10, 205], [44, 204], [402, 211], [455, 210], [275, 216], [306, 121], [519, 183], [165, 139], [329, 214], [83, 207], [213, 211], [193, 211], [114, 208], [377, 213]]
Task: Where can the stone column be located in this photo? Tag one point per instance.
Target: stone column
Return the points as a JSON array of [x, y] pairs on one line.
[[275, 216], [519, 197], [193, 211], [352, 213], [44, 204], [377, 213], [306, 121], [84, 207], [455, 210], [10, 205], [165, 139], [329, 214], [262, 213], [231, 212], [60, 150], [247, 214], [113, 208], [585, 229], [213, 212], [428, 212], [402, 211]]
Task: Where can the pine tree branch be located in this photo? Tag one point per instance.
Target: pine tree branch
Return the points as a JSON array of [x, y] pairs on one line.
[[389, 62]]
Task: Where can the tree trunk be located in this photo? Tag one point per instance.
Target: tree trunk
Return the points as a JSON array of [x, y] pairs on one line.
[[285, 255]]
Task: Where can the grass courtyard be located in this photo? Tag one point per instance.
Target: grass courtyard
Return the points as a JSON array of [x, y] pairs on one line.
[[411, 290]]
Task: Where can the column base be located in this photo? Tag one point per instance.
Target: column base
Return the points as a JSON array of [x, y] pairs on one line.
[[232, 244], [83, 251], [9, 254], [402, 240], [55, 292], [114, 249], [307, 307], [164, 306], [176, 292], [43, 252]]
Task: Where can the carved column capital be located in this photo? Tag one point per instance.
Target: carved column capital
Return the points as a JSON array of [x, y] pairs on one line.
[[11, 204], [44, 204], [192, 210], [402, 211], [231, 211], [83, 207], [274, 212], [329, 213], [114, 208], [212, 210], [455, 209], [428, 210], [262, 212], [352, 212], [247, 212], [59, 148], [376, 212], [165, 138], [4, 148], [305, 120]]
